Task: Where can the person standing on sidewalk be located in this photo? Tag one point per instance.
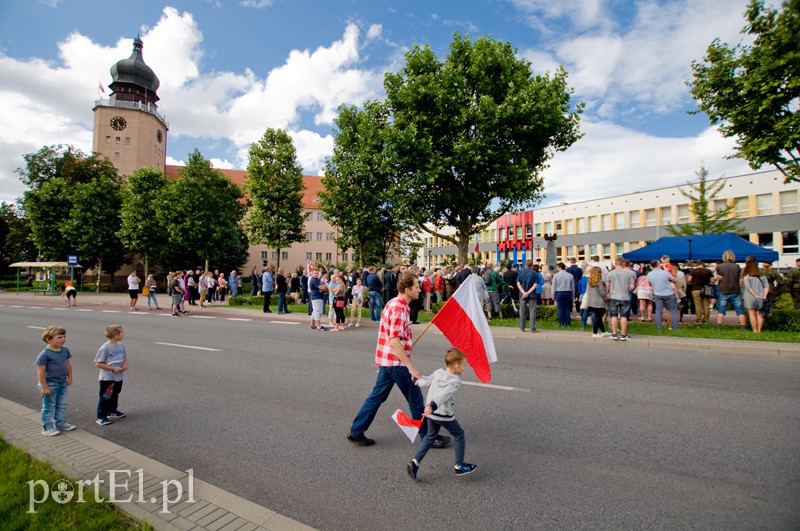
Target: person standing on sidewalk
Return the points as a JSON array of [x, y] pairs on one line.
[[54, 374], [664, 294], [393, 358], [267, 287], [529, 281], [564, 290], [728, 276], [133, 289], [619, 285], [112, 360]]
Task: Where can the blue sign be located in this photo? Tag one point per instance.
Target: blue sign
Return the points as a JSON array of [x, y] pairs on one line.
[[72, 259]]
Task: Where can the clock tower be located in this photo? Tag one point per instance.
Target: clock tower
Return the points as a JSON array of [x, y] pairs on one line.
[[128, 128]]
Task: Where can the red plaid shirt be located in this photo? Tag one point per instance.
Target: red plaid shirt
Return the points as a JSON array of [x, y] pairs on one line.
[[395, 322]]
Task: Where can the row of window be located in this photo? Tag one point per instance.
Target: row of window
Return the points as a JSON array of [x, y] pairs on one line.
[[118, 140], [285, 256], [310, 216], [328, 236]]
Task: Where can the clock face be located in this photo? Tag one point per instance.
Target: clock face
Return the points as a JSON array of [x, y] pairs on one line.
[[159, 136], [118, 123]]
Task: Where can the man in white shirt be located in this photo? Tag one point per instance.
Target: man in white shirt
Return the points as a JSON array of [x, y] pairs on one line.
[[133, 289]]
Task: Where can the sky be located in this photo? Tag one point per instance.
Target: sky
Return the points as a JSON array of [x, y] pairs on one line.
[[229, 69]]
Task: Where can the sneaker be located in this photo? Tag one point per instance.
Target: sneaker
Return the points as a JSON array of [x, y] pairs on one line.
[[67, 427], [466, 468], [606, 334], [615, 337], [312, 327], [357, 325], [50, 432], [335, 330], [441, 441], [626, 337], [116, 415], [103, 422], [412, 467], [361, 440], [597, 335]]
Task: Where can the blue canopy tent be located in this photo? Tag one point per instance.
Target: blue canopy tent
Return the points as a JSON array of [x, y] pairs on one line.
[[707, 247]]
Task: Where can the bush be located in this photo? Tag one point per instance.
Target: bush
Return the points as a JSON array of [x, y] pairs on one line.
[[546, 313], [783, 321], [784, 302], [246, 300], [436, 306]]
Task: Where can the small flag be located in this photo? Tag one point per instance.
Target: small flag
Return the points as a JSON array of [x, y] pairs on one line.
[[100, 86], [309, 267], [409, 426], [477, 247]]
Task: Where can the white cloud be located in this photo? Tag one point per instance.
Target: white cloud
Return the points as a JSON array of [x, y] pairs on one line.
[[612, 160], [584, 14], [258, 4]]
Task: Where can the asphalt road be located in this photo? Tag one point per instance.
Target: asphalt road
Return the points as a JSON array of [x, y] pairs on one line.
[[604, 436]]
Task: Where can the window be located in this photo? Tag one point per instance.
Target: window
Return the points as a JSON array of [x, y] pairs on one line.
[[592, 223], [344, 257], [790, 240], [284, 255], [650, 217], [788, 202], [108, 139], [764, 204], [308, 256], [765, 239], [309, 216], [620, 249], [501, 234], [634, 218], [319, 257], [116, 155], [720, 204], [558, 227], [548, 227], [605, 222], [329, 236], [607, 251], [528, 231], [619, 221], [537, 228], [666, 216], [568, 226], [327, 257], [683, 213], [319, 236], [309, 236], [264, 255], [581, 225], [128, 140], [740, 207], [519, 232], [117, 140], [319, 216], [581, 252], [274, 255]]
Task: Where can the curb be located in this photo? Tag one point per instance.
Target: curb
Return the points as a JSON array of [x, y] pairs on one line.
[[80, 455]]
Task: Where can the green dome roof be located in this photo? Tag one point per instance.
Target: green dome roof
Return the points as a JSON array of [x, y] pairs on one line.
[[134, 71]]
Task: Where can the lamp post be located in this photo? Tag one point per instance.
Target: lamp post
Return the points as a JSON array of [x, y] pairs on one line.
[[430, 260]]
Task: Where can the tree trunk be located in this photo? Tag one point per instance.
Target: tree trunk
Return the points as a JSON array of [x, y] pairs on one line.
[[279, 258], [361, 255], [463, 249], [99, 274], [206, 269], [146, 266]]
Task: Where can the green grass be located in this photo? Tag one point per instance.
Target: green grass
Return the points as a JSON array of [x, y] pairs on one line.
[[634, 327], [17, 468]]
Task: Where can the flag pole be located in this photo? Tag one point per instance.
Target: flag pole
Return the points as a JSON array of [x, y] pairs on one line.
[[423, 332]]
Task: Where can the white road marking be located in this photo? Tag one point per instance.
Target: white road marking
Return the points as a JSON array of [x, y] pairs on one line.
[[500, 387], [35, 307], [60, 309], [36, 327], [285, 322], [84, 310], [187, 346], [111, 311], [202, 317], [15, 306], [236, 319]]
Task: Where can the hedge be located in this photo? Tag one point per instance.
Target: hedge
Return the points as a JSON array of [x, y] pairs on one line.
[[783, 321], [543, 313]]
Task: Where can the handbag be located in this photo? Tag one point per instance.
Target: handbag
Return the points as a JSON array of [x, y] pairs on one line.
[[585, 302], [707, 291], [340, 303]]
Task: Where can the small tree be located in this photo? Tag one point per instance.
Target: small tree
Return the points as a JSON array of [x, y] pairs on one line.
[[708, 220], [752, 91], [274, 186]]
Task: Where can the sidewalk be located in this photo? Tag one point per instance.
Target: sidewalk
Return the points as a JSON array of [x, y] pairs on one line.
[[80, 455]]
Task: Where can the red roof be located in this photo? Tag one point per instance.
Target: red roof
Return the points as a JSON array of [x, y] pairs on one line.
[[313, 183]]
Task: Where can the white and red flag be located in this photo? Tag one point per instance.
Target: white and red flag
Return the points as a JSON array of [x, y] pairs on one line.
[[464, 324], [309, 267], [409, 426], [100, 86]]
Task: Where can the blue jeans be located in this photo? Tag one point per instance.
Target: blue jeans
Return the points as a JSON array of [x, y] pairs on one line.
[[375, 305], [282, 307], [734, 298], [523, 304], [432, 427], [54, 407], [152, 296], [672, 306], [388, 377], [564, 304]]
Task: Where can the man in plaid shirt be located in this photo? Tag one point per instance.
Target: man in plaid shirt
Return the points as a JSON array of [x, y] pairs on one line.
[[393, 358]]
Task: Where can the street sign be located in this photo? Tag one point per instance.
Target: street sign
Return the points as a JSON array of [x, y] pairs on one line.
[[72, 259]]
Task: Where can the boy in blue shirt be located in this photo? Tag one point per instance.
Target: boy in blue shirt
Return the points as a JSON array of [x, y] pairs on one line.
[[54, 374], [112, 360]]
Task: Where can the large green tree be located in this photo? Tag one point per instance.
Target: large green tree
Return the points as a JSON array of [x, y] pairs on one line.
[[202, 210], [140, 230], [358, 179], [15, 237], [274, 187], [471, 135], [707, 218], [752, 91]]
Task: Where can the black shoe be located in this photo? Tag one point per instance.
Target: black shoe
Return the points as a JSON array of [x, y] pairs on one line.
[[441, 441], [361, 440], [412, 468]]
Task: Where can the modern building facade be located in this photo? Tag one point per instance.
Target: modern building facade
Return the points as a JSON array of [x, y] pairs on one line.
[[610, 226]]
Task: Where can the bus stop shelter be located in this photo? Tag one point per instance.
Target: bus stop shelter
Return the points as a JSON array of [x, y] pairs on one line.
[[48, 286]]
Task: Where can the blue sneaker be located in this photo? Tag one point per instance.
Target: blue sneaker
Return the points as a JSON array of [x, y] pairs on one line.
[[464, 469], [103, 422], [412, 467]]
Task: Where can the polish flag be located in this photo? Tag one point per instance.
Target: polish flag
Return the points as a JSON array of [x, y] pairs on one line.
[[309, 267], [100, 86], [464, 324], [477, 247], [409, 426]]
